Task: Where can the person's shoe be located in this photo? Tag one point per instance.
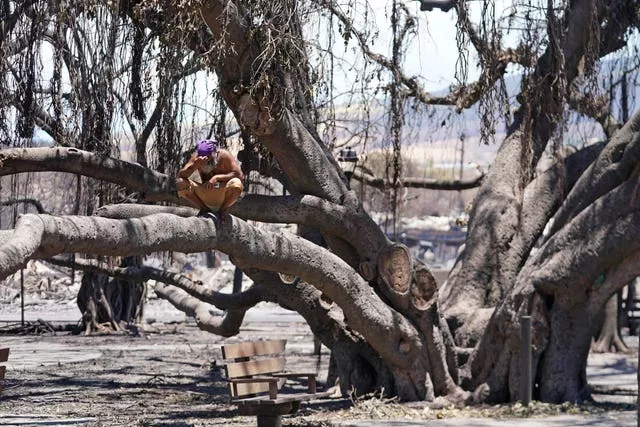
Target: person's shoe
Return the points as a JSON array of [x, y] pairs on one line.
[[204, 213]]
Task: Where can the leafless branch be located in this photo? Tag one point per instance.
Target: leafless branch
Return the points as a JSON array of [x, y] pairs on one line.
[[152, 185], [461, 97], [425, 183], [36, 203], [222, 301], [597, 108]]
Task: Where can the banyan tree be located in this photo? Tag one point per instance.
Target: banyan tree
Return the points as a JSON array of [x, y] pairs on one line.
[[554, 243]]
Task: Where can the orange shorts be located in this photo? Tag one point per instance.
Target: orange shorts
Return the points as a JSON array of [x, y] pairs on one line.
[[213, 198]]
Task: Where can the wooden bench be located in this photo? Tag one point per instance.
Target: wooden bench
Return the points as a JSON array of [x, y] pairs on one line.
[[4, 356], [255, 373]]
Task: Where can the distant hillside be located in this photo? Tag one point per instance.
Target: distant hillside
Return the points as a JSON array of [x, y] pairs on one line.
[[434, 134]]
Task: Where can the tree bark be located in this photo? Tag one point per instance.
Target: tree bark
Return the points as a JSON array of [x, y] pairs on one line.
[[501, 235], [110, 305], [559, 287], [392, 336], [152, 185]]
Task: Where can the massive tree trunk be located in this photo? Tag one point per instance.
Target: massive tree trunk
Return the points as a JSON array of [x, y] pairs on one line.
[[566, 283], [511, 208], [500, 269], [111, 304]]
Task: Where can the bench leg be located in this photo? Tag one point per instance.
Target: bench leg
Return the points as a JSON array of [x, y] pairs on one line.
[[269, 421]]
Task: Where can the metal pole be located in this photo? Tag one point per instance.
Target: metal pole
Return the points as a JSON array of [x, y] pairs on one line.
[[525, 360], [22, 297]]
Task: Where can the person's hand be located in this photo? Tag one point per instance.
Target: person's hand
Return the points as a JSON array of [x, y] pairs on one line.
[[212, 183], [200, 161]]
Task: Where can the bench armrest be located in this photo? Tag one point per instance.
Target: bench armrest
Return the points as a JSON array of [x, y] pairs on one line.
[[273, 383], [311, 378]]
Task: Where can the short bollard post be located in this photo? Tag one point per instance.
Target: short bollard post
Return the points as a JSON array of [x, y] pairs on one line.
[[525, 360]]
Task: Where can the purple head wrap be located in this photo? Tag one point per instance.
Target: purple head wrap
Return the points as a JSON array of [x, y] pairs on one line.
[[206, 147]]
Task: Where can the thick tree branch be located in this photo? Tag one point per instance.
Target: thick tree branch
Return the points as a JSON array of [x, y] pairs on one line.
[[593, 242], [222, 301], [20, 246], [134, 210], [34, 202], [43, 236], [309, 211], [615, 279], [152, 185], [613, 165], [226, 325], [425, 183], [351, 223]]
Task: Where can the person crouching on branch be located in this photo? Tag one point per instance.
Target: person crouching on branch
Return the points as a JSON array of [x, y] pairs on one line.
[[211, 180]]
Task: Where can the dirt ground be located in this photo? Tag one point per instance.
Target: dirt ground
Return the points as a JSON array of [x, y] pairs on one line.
[[169, 374]]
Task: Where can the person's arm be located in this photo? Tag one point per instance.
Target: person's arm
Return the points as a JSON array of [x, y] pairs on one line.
[[227, 163], [189, 168]]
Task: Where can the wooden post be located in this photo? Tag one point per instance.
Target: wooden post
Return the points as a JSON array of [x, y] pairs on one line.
[[525, 360], [273, 389], [269, 421], [22, 297], [237, 281], [317, 345]]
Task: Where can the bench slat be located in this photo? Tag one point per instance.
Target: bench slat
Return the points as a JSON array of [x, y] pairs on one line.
[[245, 389], [4, 354], [255, 348], [265, 401], [295, 374], [255, 367]]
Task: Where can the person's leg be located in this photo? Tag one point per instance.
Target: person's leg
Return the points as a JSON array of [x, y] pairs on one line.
[[233, 190], [186, 191], [211, 197]]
